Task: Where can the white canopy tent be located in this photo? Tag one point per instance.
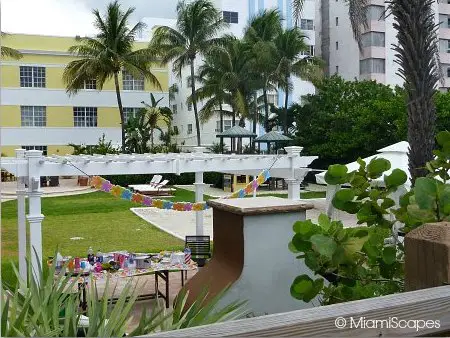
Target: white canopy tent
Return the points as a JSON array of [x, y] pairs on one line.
[[29, 166], [396, 153]]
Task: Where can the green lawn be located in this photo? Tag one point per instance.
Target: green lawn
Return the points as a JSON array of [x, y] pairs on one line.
[[105, 222]]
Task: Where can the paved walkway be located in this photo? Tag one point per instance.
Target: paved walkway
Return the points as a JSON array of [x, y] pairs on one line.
[[181, 224], [218, 193], [66, 187]]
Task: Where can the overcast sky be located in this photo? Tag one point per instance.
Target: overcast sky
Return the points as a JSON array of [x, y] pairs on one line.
[[70, 17]]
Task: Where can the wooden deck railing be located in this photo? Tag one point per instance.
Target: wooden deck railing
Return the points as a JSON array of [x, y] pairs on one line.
[[416, 313]]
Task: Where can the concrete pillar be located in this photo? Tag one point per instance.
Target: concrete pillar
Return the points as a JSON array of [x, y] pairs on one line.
[[199, 190], [35, 216], [293, 182], [21, 221], [254, 189], [251, 256]]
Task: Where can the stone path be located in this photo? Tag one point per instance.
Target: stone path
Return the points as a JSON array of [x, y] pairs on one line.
[[181, 224], [66, 187]]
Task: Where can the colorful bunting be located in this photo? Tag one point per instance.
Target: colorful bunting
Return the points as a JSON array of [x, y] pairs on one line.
[[126, 194]]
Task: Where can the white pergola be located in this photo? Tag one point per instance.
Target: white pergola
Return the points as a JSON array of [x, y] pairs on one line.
[[29, 166]]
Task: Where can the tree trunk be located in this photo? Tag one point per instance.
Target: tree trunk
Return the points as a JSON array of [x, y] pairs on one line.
[[233, 140], [266, 110], [119, 103], [151, 138], [421, 121], [221, 126], [286, 102], [194, 102]]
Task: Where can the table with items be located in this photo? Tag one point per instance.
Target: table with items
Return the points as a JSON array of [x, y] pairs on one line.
[[123, 264]]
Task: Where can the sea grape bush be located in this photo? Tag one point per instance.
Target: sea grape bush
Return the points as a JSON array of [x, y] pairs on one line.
[[356, 263]]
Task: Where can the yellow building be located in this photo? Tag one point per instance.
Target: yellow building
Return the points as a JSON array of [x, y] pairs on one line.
[[37, 113]]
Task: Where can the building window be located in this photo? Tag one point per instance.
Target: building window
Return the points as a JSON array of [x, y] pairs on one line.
[[189, 106], [369, 66], [129, 113], [226, 125], [131, 83], [175, 130], [337, 21], [189, 130], [41, 148], [448, 72], [310, 52], [32, 76], [230, 17], [337, 69], [375, 13], [337, 45], [174, 109], [373, 39], [85, 116], [444, 46], [91, 84], [33, 116], [307, 24]]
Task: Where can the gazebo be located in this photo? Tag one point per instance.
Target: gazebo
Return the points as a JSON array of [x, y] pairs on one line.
[[29, 166], [271, 137], [236, 132]]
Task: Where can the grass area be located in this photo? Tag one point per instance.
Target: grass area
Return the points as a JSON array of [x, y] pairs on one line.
[[103, 221]]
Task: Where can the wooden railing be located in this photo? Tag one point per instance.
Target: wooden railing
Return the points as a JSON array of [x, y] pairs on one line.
[[416, 313]]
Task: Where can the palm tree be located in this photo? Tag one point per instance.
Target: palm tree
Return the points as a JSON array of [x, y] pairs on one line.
[[290, 44], [154, 115], [10, 52], [260, 34], [198, 24], [108, 53], [417, 54]]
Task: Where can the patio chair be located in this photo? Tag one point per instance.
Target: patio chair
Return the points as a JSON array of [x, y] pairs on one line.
[[200, 248], [153, 183], [158, 189]]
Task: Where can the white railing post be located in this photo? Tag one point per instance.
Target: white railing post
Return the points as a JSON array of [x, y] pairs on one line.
[[293, 182], [331, 191], [21, 221], [35, 215], [199, 189]]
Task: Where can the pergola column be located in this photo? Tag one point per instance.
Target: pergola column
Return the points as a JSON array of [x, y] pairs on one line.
[[293, 182], [21, 221], [199, 190], [35, 216]]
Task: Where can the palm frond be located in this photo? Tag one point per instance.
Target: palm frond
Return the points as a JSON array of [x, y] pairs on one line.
[[357, 11], [297, 9]]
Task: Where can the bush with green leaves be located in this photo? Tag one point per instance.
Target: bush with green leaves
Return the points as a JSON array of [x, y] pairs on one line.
[[357, 263], [103, 147], [50, 308]]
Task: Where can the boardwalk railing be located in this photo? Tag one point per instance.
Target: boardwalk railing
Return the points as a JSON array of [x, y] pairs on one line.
[[416, 313]]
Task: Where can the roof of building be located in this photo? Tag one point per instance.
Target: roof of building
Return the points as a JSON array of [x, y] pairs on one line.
[[272, 136], [237, 131]]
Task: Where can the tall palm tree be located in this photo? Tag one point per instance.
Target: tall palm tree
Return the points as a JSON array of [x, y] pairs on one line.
[[10, 52], [417, 54], [197, 27], [291, 46], [260, 34], [108, 53]]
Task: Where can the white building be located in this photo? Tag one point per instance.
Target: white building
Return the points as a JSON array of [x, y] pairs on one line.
[[237, 13], [336, 45]]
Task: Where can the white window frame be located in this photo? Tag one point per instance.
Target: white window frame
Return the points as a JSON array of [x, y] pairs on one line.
[[37, 115], [90, 84], [32, 76], [129, 111], [307, 24], [129, 82], [44, 149], [85, 117]]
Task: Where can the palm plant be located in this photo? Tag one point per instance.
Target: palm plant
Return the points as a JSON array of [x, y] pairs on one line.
[[108, 53], [290, 44], [260, 35], [417, 54], [198, 24], [9, 52], [155, 115]]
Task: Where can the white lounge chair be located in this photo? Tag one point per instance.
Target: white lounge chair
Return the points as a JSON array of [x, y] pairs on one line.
[[158, 189], [156, 179]]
